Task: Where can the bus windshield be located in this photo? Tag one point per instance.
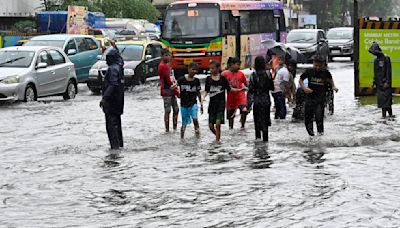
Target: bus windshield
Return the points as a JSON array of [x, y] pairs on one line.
[[192, 23]]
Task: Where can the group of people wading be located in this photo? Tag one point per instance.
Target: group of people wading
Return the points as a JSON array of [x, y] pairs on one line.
[[273, 75], [227, 92]]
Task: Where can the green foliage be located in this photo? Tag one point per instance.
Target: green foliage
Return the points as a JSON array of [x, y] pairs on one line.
[[136, 9], [330, 13], [24, 26], [379, 8]]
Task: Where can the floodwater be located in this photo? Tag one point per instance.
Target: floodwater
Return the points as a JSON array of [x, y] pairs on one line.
[[56, 169]]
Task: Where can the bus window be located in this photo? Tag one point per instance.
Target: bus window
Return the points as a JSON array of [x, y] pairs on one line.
[[193, 23], [245, 22]]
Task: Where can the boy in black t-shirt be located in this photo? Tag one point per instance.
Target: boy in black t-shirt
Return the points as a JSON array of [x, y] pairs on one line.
[[319, 78], [190, 90], [216, 86]]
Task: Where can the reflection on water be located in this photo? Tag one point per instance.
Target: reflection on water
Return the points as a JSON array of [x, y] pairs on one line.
[[262, 160], [314, 155]]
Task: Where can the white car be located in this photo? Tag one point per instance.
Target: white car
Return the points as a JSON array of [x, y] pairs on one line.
[[28, 72]]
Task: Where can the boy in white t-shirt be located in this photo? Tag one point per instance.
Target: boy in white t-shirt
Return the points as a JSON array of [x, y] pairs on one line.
[[281, 84]]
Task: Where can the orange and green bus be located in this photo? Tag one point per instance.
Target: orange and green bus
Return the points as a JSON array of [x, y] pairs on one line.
[[204, 30]]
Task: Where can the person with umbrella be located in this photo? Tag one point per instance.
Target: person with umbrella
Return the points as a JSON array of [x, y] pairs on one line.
[[382, 79]]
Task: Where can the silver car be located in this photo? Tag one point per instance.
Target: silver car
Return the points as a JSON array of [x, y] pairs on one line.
[[341, 42], [27, 73]]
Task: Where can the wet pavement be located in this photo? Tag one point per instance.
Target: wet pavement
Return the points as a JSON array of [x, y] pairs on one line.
[[57, 170]]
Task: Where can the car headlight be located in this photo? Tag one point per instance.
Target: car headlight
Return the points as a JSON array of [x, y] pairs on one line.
[[93, 72], [129, 72], [10, 80]]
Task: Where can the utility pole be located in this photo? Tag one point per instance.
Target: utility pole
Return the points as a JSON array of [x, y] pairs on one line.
[[356, 49]]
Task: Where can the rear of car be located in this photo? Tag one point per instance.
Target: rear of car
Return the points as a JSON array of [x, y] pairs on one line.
[[341, 42]]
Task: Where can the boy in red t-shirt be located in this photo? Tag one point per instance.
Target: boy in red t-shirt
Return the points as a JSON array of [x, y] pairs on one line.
[[236, 100], [168, 89]]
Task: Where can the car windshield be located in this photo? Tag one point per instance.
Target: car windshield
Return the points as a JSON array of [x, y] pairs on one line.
[[52, 43], [340, 34], [129, 52], [191, 23], [21, 59], [302, 37]]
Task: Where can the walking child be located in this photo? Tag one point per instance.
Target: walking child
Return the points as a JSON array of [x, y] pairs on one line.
[[168, 89], [236, 100], [216, 87], [261, 84], [319, 79], [190, 91], [281, 85]]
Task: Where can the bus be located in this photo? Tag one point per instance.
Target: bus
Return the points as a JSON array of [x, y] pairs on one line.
[[204, 30]]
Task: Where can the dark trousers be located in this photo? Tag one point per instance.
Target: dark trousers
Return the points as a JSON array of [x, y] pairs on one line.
[[314, 109], [114, 131], [280, 105]]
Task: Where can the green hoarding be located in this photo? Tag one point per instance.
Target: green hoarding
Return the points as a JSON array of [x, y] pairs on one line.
[[389, 41]]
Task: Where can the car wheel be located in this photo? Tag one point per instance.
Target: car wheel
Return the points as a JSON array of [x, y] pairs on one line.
[[330, 59], [352, 58], [30, 94], [70, 92]]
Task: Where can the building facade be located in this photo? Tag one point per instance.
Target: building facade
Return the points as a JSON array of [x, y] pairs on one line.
[[12, 11]]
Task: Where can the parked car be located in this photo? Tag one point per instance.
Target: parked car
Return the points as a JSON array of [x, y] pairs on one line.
[[141, 59], [82, 50], [341, 42], [31, 72], [310, 42], [21, 42]]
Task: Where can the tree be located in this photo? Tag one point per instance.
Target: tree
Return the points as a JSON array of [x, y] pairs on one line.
[[25, 26], [332, 13], [136, 9]]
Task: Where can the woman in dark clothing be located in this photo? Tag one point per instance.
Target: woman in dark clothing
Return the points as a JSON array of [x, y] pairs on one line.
[[382, 79], [260, 85]]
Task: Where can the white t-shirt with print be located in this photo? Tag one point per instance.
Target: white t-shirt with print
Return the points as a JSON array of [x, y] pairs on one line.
[[281, 76]]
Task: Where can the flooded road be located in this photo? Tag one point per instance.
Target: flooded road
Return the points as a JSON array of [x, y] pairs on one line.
[[57, 170]]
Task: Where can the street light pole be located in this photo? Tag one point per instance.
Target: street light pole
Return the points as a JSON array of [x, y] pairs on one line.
[[356, 49]]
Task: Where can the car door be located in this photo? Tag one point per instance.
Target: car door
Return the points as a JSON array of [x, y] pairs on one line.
[[151, 63], [44, 75], [156, 59], [83, 48], [71, 45], [62, 71], [93, 52]]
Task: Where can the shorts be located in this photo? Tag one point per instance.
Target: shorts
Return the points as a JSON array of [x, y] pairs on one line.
[[231, 112], [171, 102], [213, 118], [188, 114]]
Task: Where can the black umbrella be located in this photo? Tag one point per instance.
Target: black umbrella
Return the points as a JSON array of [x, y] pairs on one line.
[[280, 49], [295, 54], [274, 47]]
